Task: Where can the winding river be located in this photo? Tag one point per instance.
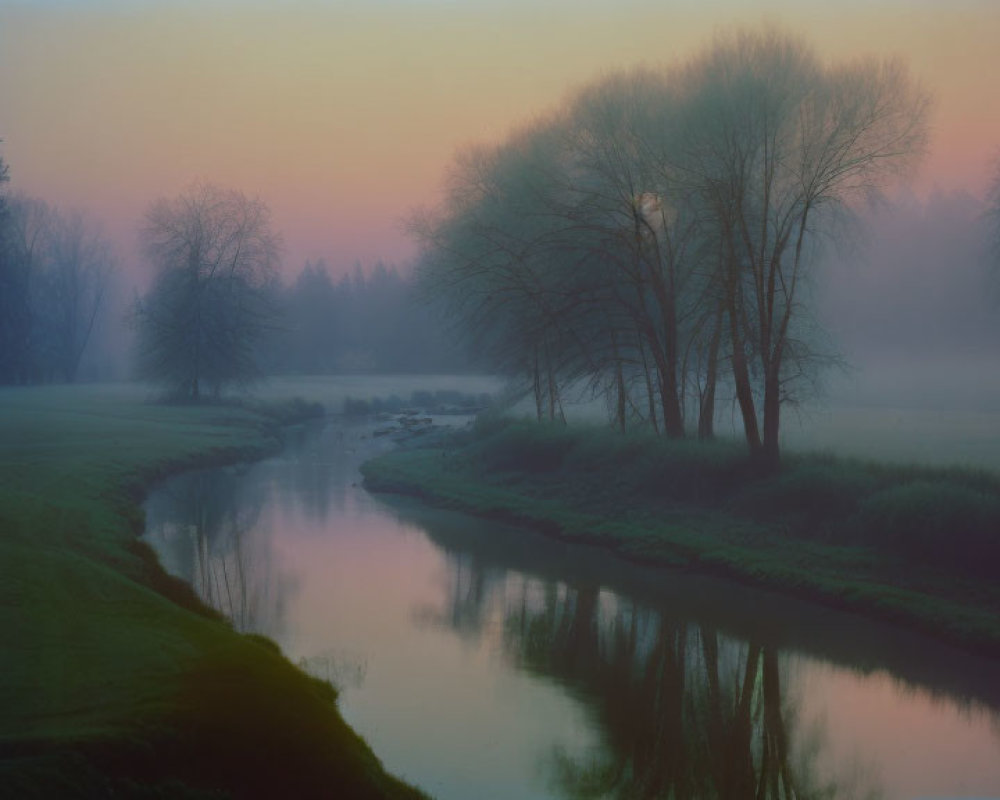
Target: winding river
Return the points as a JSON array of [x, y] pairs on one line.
[[482, 661]]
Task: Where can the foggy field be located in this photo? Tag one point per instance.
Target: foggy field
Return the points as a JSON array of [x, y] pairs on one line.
[[900, 435], [332, 390], [934, 411]]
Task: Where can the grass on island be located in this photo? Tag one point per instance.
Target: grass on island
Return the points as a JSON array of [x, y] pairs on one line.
[[905, 543], [116, 680]]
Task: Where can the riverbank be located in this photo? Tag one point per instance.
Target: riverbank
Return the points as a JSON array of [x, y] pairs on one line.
[[117, 680], [915, 546]]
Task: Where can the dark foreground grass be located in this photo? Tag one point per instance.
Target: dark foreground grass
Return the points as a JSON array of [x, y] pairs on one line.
[[115, 681], [914, 545]]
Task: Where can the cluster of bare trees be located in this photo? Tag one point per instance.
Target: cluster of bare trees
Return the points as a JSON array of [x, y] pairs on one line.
[[55, 273], [654, 237]]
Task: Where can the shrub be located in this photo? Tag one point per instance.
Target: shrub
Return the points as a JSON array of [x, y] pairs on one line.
[[356, 407], [941, 523], [691, 471], [814, 492], [530, 448]]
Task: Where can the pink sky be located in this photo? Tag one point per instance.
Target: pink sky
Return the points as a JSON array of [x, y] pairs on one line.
[[343, 116]]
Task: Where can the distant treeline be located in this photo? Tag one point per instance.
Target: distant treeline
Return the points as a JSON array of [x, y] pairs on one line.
[[56, 275], [64, 315], [362, 322]]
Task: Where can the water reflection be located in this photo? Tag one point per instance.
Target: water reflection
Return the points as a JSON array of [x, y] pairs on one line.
[[207, 531], [683, 711], [340, 668], [607, 680], [321, 469]]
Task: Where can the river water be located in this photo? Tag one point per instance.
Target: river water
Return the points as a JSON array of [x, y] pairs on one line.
[[482, 661]]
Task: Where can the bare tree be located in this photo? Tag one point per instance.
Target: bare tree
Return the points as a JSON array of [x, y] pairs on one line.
[[993, 226], [643, 231], [666, 222], [488, 254], [776, 140], [215, 253], [70, 292], [26, 230], [55, 274], [11, 290]]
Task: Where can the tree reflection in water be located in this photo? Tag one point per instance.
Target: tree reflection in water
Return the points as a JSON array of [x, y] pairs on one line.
[[683, 711], [205, 526]]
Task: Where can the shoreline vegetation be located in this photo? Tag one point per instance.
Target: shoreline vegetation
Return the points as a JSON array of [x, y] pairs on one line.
[[117, 679], [915, 546]]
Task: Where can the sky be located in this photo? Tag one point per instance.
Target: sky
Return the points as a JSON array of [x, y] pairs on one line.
[[343, 116]]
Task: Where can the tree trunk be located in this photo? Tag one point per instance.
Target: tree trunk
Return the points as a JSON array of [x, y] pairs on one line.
[[744, 392], [666, 358], [673, 420], [770, 454], [706, 411], [553, 386], [650, 391], [620, 397], [536, 385]]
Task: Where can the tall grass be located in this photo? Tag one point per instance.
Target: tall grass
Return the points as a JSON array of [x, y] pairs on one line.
[[936, 516]]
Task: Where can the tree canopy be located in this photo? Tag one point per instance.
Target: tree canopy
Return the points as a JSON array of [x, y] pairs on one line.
[[215, 255], [654, 237]]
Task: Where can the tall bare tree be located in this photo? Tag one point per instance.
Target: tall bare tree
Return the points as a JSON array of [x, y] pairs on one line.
[[26, 231], [214, 252], [489, 254], [776, 140], [55, 273], [993, 226], [70, 293], [11, 292]]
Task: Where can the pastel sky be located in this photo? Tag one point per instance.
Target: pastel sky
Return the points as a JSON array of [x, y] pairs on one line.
[[343, 116]]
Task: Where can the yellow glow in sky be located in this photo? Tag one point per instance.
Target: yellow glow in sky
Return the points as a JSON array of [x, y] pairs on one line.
[[343, 116]]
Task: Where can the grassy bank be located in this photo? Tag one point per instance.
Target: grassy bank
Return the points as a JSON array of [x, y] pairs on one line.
[[908, 544], [116, 680]]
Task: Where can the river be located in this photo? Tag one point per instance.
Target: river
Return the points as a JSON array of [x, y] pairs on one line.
[[482, 661]]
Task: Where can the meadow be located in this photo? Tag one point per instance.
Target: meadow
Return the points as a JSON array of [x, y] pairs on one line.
[[117, 680]]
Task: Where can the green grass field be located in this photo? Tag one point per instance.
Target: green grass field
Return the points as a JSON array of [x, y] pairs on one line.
[[116, 681], [916, 545]]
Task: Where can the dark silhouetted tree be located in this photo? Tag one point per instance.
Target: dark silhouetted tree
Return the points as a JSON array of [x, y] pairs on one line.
[[54, 273], [12, 292], [25, 229], [215, 253], [993, 229], [68, 294], [775, 141]]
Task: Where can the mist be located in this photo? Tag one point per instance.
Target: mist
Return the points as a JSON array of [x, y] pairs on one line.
[[502, 399], [911, 305]]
